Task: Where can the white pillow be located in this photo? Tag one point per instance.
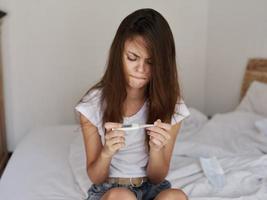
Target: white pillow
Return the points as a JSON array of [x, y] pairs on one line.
[[77, 160], [255, 99]]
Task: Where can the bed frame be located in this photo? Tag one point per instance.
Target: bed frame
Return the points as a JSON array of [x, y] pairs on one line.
[[3, 145], [256, 70]]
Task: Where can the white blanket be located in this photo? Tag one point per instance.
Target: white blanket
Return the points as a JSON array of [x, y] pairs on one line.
[[241, 151]]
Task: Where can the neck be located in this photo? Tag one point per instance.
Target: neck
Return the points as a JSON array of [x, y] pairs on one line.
[[135, 94], [133, 102]]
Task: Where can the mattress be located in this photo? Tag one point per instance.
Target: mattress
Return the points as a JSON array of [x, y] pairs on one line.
[[39, 168]]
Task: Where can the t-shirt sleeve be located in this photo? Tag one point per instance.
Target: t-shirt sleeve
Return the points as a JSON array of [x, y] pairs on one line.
[[181, 112], [90, 107]]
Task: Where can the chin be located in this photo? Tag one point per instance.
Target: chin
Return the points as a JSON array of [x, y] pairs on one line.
[[138, 86]]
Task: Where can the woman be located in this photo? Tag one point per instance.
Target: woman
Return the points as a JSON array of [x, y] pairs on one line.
[[140, 85]]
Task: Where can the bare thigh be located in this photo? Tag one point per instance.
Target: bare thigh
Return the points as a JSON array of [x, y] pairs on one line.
[[119, 193], [171, 194]]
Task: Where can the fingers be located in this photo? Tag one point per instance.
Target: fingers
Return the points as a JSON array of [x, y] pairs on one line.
[[114, 144], [118, 146], [109, 125], [165, 126], [114, 140], [157, 138], [113, 134], [159, 134], [115, 137], [157, 141], [160, 131]]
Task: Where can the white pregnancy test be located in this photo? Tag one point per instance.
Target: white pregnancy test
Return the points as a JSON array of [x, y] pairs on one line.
[[129, 127]]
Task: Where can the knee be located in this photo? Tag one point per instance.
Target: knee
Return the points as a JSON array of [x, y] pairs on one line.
[[172, 194], [119, 193]]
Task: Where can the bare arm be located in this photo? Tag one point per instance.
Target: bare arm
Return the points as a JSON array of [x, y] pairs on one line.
[[98, 157], [162, 141]]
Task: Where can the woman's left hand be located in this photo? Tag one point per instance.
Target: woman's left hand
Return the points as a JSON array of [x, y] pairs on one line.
[[159, 135]]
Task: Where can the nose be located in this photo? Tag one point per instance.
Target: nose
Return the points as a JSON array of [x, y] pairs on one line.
[[141, 67]]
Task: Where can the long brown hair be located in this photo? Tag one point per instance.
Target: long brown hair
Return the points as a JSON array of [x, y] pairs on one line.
[[163, 91]]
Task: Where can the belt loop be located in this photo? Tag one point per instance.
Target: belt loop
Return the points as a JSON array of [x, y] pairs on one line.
[[136, 185], [112, 180]]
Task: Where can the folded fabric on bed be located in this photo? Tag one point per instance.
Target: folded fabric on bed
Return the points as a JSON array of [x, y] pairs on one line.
[[245, 178], [261, 125]]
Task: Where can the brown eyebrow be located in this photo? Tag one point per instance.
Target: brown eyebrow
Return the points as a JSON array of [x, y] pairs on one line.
[[137, 55]]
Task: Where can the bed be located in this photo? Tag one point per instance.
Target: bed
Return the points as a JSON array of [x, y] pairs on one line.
[[49, 163]]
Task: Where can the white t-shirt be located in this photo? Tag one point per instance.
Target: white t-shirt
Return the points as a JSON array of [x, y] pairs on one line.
[[131, 160]]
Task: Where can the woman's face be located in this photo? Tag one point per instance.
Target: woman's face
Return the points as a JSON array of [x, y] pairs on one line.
[[137, 63]]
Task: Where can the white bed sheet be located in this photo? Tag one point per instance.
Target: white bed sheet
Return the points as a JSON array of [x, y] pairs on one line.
[[39, 168]]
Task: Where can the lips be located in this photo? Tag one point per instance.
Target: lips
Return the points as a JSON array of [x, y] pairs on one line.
[[139, 77]]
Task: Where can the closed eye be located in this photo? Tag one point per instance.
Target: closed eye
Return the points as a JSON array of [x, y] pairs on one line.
[[149, 62], [134, 59], [131, 59]]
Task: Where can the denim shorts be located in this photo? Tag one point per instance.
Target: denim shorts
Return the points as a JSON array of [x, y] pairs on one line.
[[146, 191]]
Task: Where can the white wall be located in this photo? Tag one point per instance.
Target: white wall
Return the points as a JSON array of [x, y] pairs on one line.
[[54, 50], [237, 31]]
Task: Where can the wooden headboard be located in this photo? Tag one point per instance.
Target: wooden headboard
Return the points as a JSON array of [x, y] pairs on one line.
[[256, 70]]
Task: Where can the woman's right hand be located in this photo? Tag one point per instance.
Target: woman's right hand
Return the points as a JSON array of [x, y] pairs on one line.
[[114, 140]]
